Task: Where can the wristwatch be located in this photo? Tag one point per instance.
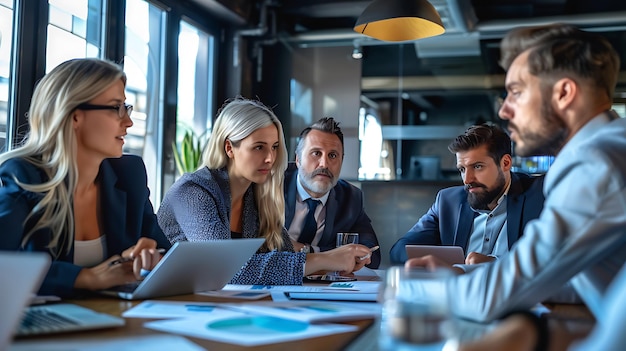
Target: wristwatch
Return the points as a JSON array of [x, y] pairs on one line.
[[306, 248]]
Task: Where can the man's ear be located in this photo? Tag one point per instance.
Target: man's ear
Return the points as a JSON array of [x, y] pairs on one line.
[[564, 92], [297, 161], [506, 162]]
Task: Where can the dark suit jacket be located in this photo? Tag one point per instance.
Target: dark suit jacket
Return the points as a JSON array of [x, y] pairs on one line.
[[344, 213], [126, 215], [449, 221]]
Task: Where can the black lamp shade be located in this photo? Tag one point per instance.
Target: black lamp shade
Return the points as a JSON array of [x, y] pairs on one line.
[[399, 20]]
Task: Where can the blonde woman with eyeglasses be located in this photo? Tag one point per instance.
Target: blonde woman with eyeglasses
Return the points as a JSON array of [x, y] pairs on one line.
[[68, 189]]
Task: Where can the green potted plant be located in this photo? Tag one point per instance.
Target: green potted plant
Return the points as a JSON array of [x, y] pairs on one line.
[[188, 152]]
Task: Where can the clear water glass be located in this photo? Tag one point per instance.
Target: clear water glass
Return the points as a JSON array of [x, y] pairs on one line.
[[347, 238], [416, 313]]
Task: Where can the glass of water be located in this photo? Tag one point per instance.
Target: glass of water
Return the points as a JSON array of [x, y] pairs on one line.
[[347, 238], [415, 310]]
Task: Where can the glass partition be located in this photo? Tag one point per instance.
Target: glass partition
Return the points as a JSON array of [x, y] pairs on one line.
[[6, 35], [143, 64]]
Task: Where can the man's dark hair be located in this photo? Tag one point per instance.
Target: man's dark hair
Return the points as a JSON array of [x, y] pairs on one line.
[[326, 125], [497, 141], [559, 50]]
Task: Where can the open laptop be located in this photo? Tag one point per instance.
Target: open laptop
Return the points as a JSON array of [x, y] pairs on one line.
[[449, 254], [21, 275], [190, 267]]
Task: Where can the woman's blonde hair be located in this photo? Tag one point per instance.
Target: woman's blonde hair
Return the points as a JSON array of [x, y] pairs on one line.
[[236, 120], [50, 144]]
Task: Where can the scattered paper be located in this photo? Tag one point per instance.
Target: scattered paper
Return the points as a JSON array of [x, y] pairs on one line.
[[358, 286], [309, 311], [176, 309], [248, 330]]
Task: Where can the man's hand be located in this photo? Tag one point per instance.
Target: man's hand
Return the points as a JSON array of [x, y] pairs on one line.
[[475, 258], [431, 263]]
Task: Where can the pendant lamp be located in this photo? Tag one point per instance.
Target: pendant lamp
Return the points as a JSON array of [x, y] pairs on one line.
[[399, 20]]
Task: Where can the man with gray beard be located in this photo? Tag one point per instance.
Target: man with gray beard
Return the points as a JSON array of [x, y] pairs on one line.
[[487, 214], [318, 204]]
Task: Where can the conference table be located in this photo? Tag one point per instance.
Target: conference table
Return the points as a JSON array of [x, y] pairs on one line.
[[576, 319], [573, 321]]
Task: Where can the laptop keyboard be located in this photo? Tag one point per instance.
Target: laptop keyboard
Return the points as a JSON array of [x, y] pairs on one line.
[[39, 320], [127, 288]]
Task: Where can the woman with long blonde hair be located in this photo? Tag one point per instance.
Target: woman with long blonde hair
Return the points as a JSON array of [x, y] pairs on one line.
[[238, 193], [68, 190]]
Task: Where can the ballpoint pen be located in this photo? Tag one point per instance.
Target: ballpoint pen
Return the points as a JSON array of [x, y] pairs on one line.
[[128, 259], [369, 254]]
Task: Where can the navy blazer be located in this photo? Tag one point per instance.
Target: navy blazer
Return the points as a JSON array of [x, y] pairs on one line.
[[450, 219], [126, 215], [344, 210]]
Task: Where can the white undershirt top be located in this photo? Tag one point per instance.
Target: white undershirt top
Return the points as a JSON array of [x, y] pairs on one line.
[[89, 253]]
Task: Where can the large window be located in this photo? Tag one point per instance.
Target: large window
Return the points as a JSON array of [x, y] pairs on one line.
[[74, 30], [6, 33], [195, 88], [143, 64]]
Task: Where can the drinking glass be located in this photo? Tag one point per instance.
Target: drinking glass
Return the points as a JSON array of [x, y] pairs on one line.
[[415, 310], [345, 239]]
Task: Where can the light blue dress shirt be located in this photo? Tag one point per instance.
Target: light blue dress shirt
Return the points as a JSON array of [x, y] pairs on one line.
[[489, 230], [608, 333], [579, 237]]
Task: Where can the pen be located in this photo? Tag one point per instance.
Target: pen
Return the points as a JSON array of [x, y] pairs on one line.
[[128, 259], [369, 254]]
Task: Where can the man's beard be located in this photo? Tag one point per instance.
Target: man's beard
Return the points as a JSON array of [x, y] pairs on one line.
[[549, 140], [317, 187], [481, 200]]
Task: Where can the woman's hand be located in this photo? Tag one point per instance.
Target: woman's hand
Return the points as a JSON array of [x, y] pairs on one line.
[[144, 254], [105, 275], [346, 258], [117, 270]]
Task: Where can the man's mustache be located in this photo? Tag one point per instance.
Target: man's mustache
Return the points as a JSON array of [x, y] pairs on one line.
[[474, 185], [324, 171]]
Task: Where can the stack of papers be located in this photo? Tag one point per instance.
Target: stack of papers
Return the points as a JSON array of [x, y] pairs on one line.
[[338, 291]]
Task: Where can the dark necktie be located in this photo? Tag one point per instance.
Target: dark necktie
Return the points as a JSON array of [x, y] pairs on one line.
[[310, 225]]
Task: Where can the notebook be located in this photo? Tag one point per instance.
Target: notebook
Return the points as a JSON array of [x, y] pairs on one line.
[[190, 267], [450, 254]]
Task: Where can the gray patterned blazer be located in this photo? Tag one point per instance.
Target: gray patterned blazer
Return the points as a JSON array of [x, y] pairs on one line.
[[197, 208]]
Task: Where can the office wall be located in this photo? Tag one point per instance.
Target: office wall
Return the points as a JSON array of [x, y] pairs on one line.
[[327, 83], [394, 207]]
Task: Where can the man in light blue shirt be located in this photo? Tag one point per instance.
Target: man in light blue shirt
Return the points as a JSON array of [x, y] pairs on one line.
[[560, 83]]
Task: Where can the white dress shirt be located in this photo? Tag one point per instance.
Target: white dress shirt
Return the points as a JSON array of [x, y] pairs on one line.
[[300, 214]]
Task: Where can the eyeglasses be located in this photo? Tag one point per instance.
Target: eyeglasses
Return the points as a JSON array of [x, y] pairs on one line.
[[122, 110]]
